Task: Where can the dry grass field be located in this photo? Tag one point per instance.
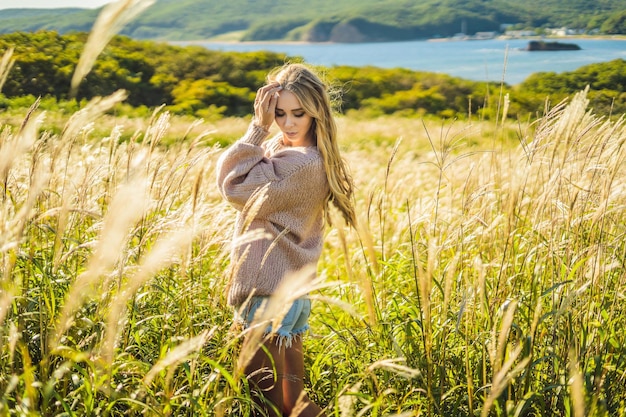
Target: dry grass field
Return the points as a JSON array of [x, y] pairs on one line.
[[486, 276]]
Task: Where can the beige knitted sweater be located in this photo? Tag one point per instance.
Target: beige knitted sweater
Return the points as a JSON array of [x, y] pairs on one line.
[[293, 186]]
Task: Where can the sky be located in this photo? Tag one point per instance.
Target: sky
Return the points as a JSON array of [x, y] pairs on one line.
[[51, 4]]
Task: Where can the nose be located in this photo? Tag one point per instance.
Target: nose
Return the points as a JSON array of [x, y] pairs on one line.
[[289, 120]]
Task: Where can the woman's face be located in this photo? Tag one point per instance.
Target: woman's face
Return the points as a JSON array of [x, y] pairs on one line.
[[293, 121]]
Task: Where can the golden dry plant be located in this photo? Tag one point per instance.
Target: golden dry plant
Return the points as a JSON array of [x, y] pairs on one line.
[[463, 288], [485, 278], [491, 261], [87, 222], [113, 17]]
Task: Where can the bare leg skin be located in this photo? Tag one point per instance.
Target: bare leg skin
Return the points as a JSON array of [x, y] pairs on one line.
[[295, 400], [263, 373]]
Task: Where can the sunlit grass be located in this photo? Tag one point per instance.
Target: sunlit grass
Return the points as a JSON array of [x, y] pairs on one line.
[[486, 276]]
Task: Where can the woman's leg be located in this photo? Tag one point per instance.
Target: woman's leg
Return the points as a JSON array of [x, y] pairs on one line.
[[295, 400], [264, 373]]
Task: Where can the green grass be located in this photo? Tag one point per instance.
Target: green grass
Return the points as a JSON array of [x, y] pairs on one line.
[[486, 276]]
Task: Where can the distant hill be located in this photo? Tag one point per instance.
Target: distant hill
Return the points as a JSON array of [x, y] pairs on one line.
[[62, 20], [330, 20]]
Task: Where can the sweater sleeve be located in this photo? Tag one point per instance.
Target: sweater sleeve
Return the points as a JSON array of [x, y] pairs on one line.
[[243, 169]]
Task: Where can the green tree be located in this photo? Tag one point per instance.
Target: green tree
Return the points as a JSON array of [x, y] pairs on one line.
[[192, 97], [615, 24]]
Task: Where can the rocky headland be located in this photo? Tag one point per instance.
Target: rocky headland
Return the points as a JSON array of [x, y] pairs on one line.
[[551, 46]]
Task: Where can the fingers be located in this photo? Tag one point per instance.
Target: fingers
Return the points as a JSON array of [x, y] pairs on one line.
[[265, 104], [266, 94]]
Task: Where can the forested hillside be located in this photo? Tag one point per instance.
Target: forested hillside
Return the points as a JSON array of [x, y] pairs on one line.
[[199, 82], [339, 21]]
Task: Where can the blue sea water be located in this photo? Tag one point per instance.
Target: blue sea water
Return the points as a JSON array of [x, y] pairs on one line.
[[479, 60]]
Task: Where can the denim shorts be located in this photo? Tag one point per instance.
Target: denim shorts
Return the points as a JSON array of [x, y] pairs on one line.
[[294, 323]]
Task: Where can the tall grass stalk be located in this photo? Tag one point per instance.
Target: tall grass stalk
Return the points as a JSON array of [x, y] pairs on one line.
[[477, 282], [113, 17], [6, 64]]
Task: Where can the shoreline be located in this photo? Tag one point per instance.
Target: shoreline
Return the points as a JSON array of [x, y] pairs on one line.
[[480, 61], [451, 39]]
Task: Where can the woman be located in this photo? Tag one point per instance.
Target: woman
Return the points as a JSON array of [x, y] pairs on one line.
[[282, 188]]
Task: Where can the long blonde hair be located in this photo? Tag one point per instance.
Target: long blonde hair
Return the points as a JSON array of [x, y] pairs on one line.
[[315, 100]]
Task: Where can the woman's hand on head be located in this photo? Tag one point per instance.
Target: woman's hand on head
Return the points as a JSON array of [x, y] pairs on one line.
[[265, 105]]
